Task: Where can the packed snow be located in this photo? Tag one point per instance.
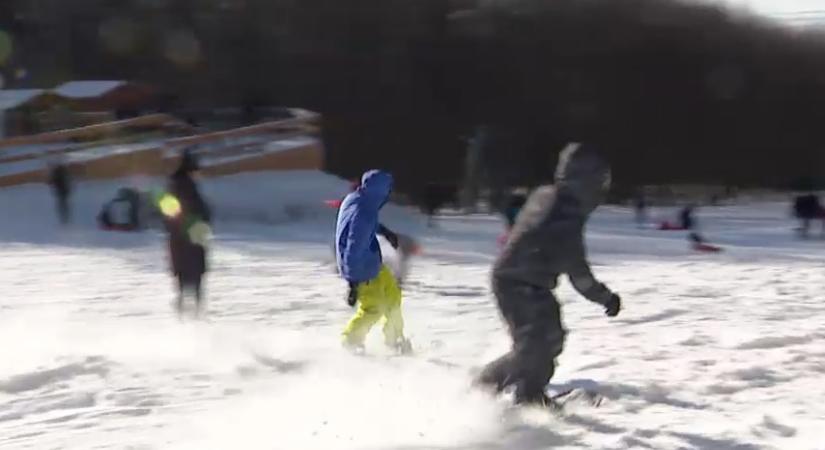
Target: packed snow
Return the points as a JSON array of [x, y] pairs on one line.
[[715, 351]]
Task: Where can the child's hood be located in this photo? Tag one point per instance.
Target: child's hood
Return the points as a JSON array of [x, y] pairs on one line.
[[376, 186]]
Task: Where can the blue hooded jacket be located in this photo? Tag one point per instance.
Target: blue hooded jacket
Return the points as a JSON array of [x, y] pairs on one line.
[[356, 244]]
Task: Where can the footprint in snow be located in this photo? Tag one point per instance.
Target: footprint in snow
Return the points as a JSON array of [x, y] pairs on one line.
[[772, 342]]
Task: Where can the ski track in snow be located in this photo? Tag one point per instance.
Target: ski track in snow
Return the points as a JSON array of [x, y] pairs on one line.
[[711, 352]]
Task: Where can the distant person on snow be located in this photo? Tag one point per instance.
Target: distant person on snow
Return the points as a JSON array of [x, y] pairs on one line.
[[123, 213], [434, 197], [689, 223], [807, 208], [515, 202], [187, 219], [514, 205], [640, 207], [686, 217], [61, 183], [371, 283], [547, 241]]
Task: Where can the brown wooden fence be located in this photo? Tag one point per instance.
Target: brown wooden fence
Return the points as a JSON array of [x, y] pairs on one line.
[[229, 153]]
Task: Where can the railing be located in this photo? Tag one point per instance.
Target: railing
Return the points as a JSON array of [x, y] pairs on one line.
[[96, 131], [101, 151], [307, 122]]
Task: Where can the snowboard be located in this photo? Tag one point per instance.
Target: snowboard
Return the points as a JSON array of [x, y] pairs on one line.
[[559, 402], [334, 204], [670, 226], [707, 248], [575, 397]]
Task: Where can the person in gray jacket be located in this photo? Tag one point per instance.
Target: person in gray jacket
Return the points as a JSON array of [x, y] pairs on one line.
[[546, 242]]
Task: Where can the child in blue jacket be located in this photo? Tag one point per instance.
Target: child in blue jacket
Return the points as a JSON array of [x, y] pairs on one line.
[[372, 285]]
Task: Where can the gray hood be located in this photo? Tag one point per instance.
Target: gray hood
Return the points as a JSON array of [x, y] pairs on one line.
[[548, 237], [583, 174]]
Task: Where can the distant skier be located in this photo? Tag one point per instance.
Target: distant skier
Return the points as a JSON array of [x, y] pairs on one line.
[[434, 197], [807, 207], [61, 183], [125, 212], [690, 224], [547, 241], [515, 202], [372, 284], [187, 219], [514, 205], [686, 217], [640, 207]]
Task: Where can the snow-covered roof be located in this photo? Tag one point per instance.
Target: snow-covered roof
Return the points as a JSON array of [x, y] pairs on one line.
[[12, 98], [86, 89]]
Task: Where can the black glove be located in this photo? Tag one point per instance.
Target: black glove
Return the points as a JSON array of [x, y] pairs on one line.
[[613, 306], [391, 237], [352, 296]]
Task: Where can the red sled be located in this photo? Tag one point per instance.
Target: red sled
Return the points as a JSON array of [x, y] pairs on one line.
[[416, 250], [669, 226], [707, 248]]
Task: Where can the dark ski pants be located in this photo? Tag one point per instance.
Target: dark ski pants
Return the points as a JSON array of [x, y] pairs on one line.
[[190, 283], [63, 209], [533, 317]]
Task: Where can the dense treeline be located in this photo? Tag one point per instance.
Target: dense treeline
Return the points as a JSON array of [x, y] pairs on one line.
[[674, 92]]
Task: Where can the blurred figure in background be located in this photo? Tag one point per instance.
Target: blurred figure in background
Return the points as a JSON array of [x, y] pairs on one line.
[[515, 202], [128, 211], [431, 203], [187, 218], [512, 208], [689, 223], [436, 196], [640, 207], [806, 208], [61, 183]]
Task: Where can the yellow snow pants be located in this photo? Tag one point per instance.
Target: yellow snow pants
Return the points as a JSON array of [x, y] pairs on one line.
[[377, 298]]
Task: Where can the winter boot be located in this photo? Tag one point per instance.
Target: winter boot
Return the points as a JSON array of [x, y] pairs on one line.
[[403, 346]]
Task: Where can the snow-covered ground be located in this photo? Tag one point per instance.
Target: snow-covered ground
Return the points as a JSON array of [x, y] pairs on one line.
[[711, 352]]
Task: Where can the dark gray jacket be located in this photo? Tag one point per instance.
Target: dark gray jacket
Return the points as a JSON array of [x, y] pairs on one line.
[[548, 237]]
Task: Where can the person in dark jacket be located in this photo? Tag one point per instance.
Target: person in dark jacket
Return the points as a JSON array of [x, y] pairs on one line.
[[434, 198], [187, 218], [60, 181], [124, 212], [372, 284], [547, 241], [807, 208], [512, 208], [689, 223], [640, 207], [686, 217], [515, 202]]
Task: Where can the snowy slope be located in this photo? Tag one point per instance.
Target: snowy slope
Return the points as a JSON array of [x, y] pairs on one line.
[[712, 352]]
